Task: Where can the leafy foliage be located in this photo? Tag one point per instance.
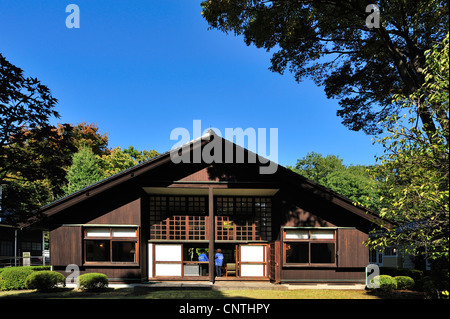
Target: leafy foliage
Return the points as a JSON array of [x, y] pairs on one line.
[[85, 170], [329, 42], [93, 281], [415, 166], [14, 278], [353, 182], [404, 282], [119, 160], [24, 103], [386, 282], [44, 280]]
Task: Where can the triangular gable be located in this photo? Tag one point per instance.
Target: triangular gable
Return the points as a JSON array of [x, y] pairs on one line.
[[212, 172]]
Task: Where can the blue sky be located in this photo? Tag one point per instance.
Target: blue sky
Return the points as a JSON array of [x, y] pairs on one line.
[[139, 69]]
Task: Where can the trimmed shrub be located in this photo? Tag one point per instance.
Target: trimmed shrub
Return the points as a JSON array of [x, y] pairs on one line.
[[44, 280], [404, 282], [387, 283], [14, 278], [92, 281]]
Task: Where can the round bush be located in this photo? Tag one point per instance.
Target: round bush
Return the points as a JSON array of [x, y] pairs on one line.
[[92, 281], [387, 283], [14, 278], [44, 280], [404, 282]]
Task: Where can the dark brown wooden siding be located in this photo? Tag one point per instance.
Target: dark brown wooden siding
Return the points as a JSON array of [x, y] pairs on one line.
[[127, 214], [66, 246], [323, 275], [351, 251]]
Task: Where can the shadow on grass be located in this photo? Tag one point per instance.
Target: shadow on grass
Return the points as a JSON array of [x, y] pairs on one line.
[[397, 294], [180, 294], [65, 293], [117, 293]]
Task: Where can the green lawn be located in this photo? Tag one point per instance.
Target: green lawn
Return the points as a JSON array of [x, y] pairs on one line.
[[126, 293]]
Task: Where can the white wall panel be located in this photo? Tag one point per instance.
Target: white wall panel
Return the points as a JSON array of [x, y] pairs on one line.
[[168, 269], [252, 253], [252, 270], [167, 252]]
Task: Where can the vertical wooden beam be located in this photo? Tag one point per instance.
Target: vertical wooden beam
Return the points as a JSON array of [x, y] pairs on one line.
[[211, 234]]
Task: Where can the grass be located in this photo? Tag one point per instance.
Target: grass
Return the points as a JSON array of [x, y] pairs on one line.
[[127, 293]]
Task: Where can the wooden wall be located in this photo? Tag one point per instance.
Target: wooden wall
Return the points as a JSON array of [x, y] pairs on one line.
[[66, 241], [66, 246], [351, 251]]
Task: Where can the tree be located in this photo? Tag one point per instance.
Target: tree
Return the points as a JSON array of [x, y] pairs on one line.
[[353, 181], [415, 166], [27, 143], [330, 42], [140, 156], [119, 160], [85, 170], [25, 104], [86, 134]]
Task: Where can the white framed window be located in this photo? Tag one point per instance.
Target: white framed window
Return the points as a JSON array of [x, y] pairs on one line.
[[111, 244], [309, 246]]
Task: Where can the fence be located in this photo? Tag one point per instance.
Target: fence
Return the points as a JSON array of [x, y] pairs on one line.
[[11, 261]]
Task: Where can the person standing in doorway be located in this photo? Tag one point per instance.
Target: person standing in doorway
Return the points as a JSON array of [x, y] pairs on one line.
[[204, 258], [219, 262]]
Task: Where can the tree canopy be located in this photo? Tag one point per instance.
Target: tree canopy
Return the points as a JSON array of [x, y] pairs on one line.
[[84, 171], [25, 104], [353, 181], [329, 42], [415, 166]]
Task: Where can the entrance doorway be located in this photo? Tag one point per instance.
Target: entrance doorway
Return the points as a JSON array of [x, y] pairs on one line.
[[185, 261], [244, 261]]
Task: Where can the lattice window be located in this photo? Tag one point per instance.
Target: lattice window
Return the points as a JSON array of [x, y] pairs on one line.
[[180, 228], [224, 228], [185, 218], [224, 206], [248, 218], [263, 214], [197, 228]]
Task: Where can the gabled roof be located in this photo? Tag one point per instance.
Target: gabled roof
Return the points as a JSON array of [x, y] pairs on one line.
[[155, 162]]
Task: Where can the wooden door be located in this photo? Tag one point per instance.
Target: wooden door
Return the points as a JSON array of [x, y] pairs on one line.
[[274, 261], [253, 260]]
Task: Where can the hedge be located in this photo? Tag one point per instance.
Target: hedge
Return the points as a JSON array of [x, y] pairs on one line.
[[404, 282], [92, 281], [13, 278], [387, 283], [44, 280]]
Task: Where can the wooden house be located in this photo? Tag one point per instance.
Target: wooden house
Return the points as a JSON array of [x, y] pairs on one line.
[[152, 221], [16, 242]]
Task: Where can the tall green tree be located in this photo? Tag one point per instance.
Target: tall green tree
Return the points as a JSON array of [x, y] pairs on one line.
[[85, 170], [354, 181], [119, 160], [415, 166], [329, 42], [25, 104], [27, 143]]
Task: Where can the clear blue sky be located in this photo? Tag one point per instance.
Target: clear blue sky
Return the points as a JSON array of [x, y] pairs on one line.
[[139, 69]]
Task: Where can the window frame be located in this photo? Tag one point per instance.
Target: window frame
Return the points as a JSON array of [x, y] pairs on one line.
[[310, 241], [111, 239]]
